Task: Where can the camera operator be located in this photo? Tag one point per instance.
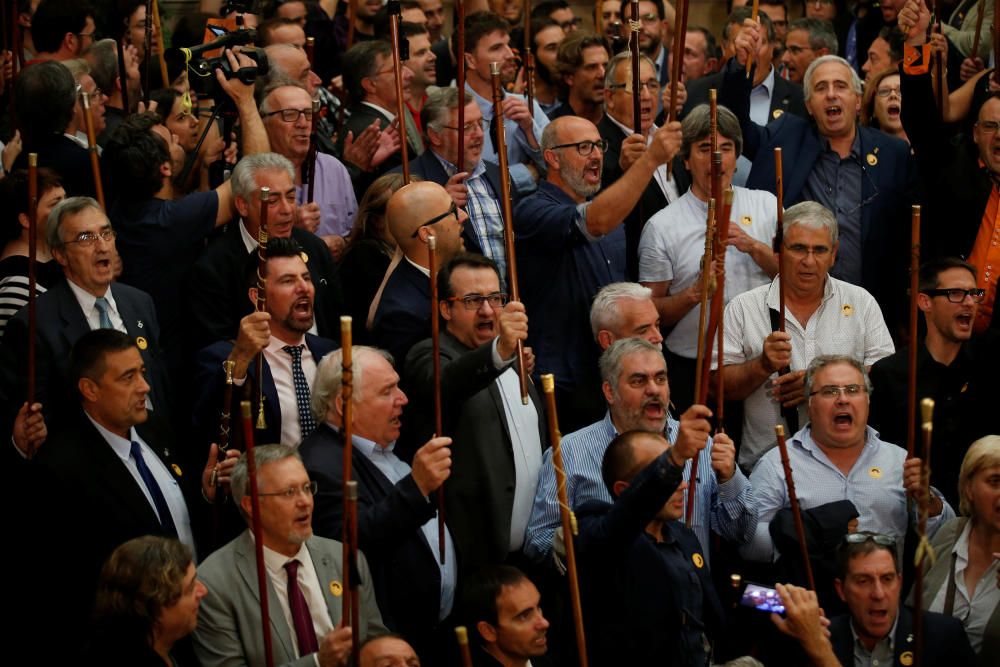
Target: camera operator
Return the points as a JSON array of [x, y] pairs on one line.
[[159, 238]]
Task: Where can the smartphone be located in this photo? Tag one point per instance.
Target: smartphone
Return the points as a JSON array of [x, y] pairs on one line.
[[762, 598]]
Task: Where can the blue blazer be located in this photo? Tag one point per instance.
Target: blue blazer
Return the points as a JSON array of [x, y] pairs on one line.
[[210, 384], [945, 642], [887, 185], [403, 317]]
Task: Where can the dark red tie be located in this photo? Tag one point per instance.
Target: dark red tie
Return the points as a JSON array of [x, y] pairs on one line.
[[305, 634]]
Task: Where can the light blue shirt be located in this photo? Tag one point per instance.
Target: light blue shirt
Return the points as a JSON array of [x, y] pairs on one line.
[[395, 470], [874, 485], [726, 508], [518, 150], [169, 487], [760, 110]]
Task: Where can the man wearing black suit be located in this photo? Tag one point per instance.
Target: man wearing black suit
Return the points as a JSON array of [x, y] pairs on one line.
[[83, 243], [108, 476], [878, 628], [499, 441], [397, 522], [617, 127], [416, 212], [217, 286], [291, 353]]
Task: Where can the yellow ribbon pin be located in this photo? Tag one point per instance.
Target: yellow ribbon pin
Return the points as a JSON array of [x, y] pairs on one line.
[[176, 469], [699, 562], [875, 473], [906, 659], [336, 588]]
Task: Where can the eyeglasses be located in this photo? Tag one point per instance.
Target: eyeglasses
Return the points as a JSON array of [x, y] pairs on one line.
[[452, 210], [653, 86], [801, 250], [886, 92], [569, 25], [988, 126], [866, 535], [470, 127], [307, 489], [475, 301], [795, 49], [585, 148], [651, 17], [291, 115], [833, 391], [87, 239], [956, 295]]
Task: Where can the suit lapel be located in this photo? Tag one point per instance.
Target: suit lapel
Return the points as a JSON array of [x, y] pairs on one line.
[[74, 321], [139, 331], [868, 177], [328, 573], [245, 556], [115, 478]]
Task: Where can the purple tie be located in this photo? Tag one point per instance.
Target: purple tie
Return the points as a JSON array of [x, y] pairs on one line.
[[305, 634]]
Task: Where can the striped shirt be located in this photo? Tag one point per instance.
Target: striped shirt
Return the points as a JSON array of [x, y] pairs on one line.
[[848, 321], [727, 508], [874, 485]]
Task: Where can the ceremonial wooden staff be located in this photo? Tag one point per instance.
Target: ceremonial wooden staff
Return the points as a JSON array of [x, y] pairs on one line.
[[980, 7], [225, 419], [16, 60], [148, 43], [95, 160], [462, 635], [265, 616], [598, 17], [529, 61], [32, 279], [911, 381], [789, 414], [566, 515], [460, 82], [265, 198], [397, 66], [716, 168], [924, 549], [159, 51], [715, 328], [700, 362], [939, 64], [793, 501], [354, 592], [308, 169], [508, 216], [753, 17], [347, 403], [350, 23], [123, 76], [635, 25], [680, 34], [436, 388]]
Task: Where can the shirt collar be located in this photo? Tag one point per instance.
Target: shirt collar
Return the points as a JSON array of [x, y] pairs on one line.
[[451, 169], [370, 448], [774, 296], [768, 83], [276, 345], [628, 130], [121, 446], [889, 638], [275, 561], [385, 112], [87, 300], [248, 241]]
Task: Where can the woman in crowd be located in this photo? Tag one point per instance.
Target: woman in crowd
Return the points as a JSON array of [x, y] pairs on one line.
[[883, 104], [14, 258], [147, 602]]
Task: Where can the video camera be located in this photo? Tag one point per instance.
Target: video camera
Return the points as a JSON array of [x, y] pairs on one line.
[[201, 63]]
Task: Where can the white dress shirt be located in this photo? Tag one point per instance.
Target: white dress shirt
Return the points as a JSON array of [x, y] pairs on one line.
[[87, 301], [311, 589]]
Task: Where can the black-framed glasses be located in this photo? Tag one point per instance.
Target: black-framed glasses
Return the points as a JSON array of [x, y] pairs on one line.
[[87, 239], [865, 535], [957, 295], [585, 148], [452, 210], [474, 302], [570, 25], [801, 250], [833, 391], [653, 86], [291, 115], [470, 127], [307, 489]]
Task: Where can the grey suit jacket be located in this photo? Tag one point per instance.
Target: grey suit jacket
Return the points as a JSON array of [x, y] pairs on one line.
[[229, 628]]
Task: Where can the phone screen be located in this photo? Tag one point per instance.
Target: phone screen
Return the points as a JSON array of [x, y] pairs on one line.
[[762, 598]]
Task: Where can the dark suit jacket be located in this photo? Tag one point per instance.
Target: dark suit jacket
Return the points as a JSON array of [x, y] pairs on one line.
[[361, 116], [406, 576], [67, 158], [887, 183], [429, 168], [480, 492], [91, 504], [945, 643], [786, 97], [652, 199], [218, 289], [60, 323], [210, 385], [403, 316], [637, 593]]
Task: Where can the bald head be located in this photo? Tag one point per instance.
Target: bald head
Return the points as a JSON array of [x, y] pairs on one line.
[[410, 210]]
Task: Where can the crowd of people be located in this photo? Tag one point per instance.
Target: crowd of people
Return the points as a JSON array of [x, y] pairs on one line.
[[204, 220]]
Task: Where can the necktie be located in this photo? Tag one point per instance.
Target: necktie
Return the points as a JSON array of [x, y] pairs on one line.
[[306, 422], [102, 306], [166, 521], [305, 633]]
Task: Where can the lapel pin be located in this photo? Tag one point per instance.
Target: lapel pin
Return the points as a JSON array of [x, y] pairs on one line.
[[872, 160], [177, 469], [139, 324], [336, 588], [776, 114], [141, 343], [847, 309]]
